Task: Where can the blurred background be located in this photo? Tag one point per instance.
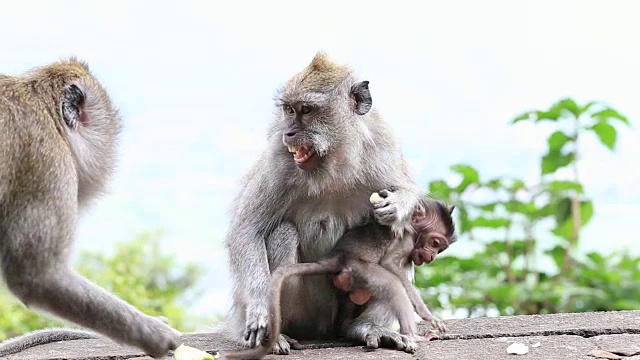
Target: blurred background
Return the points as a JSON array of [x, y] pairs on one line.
[[546, 205]]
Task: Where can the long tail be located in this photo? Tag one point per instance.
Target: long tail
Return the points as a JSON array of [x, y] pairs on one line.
[[41, 337], [278, 277]]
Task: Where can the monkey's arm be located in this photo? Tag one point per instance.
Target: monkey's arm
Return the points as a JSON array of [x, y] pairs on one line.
[[253, 214], [394, 261], [421, 308]]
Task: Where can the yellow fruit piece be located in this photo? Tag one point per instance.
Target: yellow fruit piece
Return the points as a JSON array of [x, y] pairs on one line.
[[374, 198], [184, 352]]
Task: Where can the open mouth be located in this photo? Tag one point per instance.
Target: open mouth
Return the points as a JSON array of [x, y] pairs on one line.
[[301, 154]]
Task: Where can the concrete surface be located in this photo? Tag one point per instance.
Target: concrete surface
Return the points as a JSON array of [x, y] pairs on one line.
[[615, 335]]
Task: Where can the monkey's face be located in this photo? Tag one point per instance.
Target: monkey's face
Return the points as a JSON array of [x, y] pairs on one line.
[[428, 246], [317, 124], [303, 135], [434, 228], [318, 106]]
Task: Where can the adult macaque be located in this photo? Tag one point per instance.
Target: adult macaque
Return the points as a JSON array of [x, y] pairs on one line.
[[58, 140], [328, 150], [375, 259]]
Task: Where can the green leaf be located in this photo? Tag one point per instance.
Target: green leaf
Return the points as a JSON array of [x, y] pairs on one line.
[[439, 189], [553, 114], [557, 140], [587, 106], [586, 211], [563, 210], [489, 223], [546, 210], [626, 304], [521, 207], [563, 185], [596, 258], [569, 105], [557, 254], [469, 176], [555, 160], [488, 206], [606, 133], [516, 185], [497, 246], [521, 117], [565, 229], [494, 184], [609, 113], [465, 222]]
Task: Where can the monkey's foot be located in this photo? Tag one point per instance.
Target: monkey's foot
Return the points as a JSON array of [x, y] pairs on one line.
[[438, 324], [285, 344], [430, 335], [375, 336]]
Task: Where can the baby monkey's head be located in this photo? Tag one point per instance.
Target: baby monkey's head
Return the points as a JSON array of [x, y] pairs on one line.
[[434, 230]]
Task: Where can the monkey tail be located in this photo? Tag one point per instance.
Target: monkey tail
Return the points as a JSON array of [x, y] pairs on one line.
[[41, 337]]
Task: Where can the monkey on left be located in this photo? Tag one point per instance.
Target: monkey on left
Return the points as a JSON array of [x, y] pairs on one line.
[[58, 142]]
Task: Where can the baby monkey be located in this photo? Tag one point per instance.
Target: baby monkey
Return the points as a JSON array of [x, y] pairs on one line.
[[371, 257]]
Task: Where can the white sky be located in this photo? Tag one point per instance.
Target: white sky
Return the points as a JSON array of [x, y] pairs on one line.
[[194, 81]]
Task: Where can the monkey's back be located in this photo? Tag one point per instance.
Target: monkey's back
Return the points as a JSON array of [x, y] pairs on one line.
[[367, 242]]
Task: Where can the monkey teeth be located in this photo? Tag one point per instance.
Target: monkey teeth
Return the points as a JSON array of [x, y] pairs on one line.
[[300, 154]]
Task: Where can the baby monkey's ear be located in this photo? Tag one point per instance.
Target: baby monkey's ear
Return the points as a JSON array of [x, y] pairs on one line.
[[419, 213]]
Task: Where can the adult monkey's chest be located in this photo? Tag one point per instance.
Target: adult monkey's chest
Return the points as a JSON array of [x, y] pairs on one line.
[[322, 221]]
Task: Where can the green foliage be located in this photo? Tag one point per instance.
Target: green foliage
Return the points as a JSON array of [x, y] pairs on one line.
[[137, 271], [527, 233]]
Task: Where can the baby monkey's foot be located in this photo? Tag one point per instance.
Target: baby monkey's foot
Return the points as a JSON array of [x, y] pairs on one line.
[[430, 335], [438, 324]]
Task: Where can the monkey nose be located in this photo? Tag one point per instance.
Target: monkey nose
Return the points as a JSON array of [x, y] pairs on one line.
[[288, 136]]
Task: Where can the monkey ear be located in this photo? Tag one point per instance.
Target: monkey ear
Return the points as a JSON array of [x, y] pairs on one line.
[[419, 212], [362, 96], [451, 209], [71, 105]]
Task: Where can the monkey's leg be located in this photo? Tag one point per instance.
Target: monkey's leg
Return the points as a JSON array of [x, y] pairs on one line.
[[388, 302], [418, 304], [34, 261], [282, 250]]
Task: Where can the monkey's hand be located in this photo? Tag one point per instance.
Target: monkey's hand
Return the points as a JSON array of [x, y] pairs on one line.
[[255, 333], [386, 209], [438, 324]]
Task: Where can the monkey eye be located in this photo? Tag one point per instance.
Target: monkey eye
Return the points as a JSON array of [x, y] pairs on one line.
[[289, 110], [305, 109], [436, 243]]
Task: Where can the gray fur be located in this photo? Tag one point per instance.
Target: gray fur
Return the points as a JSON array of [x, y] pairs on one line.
[[360, 156], [52, 164], [41, 337], [374, 259]]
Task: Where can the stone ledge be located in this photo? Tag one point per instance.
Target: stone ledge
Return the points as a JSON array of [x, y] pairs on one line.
[[561, 336]]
